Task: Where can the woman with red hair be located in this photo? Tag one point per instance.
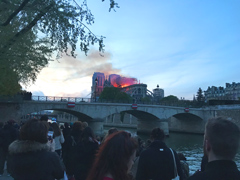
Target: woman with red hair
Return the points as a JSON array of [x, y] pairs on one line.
[[114, 158]]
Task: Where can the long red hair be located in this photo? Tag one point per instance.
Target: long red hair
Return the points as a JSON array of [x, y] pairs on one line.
[[113, 157]]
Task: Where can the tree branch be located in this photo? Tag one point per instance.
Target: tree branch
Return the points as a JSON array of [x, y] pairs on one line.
[[5, 1], [24, 3], [27, 28]]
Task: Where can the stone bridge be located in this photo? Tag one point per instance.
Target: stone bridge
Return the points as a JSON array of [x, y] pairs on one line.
[[148, 116]]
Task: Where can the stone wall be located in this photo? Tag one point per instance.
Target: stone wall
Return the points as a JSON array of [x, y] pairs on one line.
[[232, 115]]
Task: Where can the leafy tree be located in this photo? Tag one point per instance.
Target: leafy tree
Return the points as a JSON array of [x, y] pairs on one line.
[[146, 99], [8, 82], [109, 93], [200, 96], [122, 96], [31, 30], [170, 98], [114, 94]]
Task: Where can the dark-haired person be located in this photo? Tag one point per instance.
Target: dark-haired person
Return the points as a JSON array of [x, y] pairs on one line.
[[30, 158], [70, 148], [86, 150], [58, 138], [156, 162], [66, 132], [221, 142], [8, 135], [110, 131], [114, 158], [44, 118]]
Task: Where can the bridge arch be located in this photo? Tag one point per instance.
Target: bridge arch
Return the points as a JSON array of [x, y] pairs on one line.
[[186, 122], [79, 115]]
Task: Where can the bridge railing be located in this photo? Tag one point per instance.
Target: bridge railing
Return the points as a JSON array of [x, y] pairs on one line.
[[60, 99], [180, 103]]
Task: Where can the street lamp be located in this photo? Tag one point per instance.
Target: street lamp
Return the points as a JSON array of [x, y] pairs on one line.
[[96, 81]]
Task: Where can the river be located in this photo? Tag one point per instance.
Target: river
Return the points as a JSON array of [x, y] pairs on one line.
[[191, 145]]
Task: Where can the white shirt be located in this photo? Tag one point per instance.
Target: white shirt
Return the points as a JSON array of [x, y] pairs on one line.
[[58, 141]]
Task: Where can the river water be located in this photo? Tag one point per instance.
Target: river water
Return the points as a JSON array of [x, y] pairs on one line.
[[191, 145]]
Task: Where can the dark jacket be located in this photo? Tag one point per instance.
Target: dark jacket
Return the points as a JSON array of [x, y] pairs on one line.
[[1, 137], [30, 160], [70, 151], [66, 132], [218, 170], [8, 135], [86, 151], [157, 163]]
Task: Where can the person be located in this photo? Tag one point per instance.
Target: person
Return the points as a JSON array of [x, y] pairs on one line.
[[70, 148], [110, 131], [156, 162], [66, 130], [114, 158], [30, 157], [85, 124], [221, 142], [86, 150], [58, 138], [8, 135], [184, 165], [44, 118]]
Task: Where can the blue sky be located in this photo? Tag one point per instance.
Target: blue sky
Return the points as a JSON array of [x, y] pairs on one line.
[[179, 44]]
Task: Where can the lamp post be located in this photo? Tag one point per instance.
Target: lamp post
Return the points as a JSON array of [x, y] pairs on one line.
[[96, 81]]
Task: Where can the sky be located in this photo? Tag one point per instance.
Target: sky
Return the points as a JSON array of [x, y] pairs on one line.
[[180, 45]]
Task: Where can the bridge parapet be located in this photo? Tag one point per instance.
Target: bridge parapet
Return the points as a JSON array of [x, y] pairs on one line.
[[180, 103], [60, 99]]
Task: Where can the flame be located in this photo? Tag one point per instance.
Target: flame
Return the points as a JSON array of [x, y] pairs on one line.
[[121, 82], [125, 85]]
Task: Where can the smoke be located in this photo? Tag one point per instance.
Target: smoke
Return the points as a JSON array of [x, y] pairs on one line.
[[72, 77], [87, 65]]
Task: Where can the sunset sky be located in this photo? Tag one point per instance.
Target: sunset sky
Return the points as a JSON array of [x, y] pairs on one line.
[[179, 44]]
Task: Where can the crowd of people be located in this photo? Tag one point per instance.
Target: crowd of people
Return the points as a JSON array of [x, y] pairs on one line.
[[39, 150]]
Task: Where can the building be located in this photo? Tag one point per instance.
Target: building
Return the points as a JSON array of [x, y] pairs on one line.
[[129, 85], [214, 93], [136, 91], [158, 93], [98, 80], [230, 92]]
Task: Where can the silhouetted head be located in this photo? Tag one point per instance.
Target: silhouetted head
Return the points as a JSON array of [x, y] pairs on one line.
[[87, 133], [11, 122], [56, 129], [222, 138], [66, 125], [112, 130], [85, 124], [77, 126], [157, 134], [34, 130], [44, 118], [181, 156]]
